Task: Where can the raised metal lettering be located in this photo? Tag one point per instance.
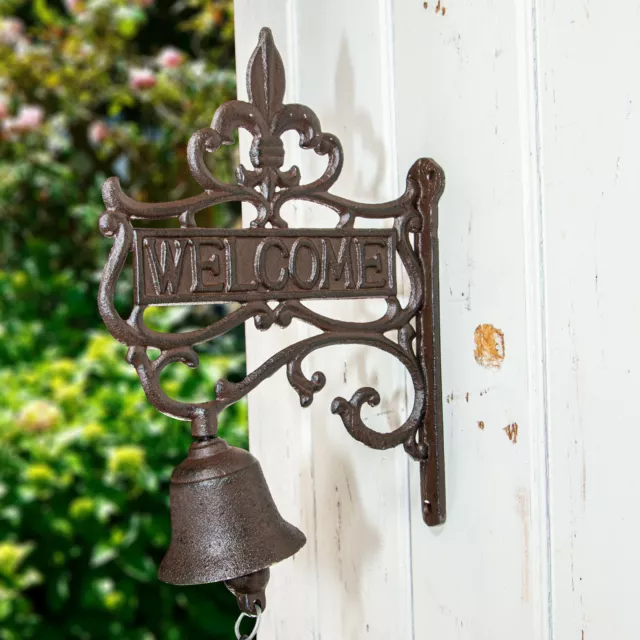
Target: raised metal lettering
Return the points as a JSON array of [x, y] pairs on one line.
[[304, 243], [232, 267], [372, 262], [335, 268], [260, 266], [166, 271], [212, 265]]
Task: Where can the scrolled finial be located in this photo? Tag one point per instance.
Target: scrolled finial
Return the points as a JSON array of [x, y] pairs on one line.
[[265, 76]]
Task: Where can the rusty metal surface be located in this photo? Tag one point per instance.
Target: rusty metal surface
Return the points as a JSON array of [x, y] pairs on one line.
[[224, 523], [432, 479], [250, 590], [270, 262], [196, 266]]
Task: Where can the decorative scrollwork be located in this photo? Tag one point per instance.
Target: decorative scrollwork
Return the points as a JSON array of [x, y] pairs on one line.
[[267, 186]]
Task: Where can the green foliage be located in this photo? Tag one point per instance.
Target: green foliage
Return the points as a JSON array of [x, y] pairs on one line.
[[89, 89], [84, 511], [77, 111]]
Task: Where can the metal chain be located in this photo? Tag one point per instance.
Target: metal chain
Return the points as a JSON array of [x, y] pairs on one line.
[[254, 633]]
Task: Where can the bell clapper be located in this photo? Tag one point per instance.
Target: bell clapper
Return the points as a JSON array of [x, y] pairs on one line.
[[254, 633], [249, 591]]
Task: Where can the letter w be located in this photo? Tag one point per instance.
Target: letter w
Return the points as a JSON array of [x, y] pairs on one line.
[[165, 271]]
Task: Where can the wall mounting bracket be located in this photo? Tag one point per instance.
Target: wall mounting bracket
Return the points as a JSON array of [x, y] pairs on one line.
[[272, 262]]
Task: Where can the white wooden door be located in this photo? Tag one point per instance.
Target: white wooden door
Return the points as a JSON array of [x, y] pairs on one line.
[[531, 108]]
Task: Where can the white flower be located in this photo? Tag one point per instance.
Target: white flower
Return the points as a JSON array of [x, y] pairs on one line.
[[39, 415]]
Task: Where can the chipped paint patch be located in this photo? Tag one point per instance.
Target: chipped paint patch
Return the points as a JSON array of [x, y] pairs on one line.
[[439, 8], [512, 432], [481, 425], [489, 351]]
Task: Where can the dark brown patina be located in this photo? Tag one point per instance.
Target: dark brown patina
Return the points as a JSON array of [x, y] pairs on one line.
[[225, 525], [196, 266]]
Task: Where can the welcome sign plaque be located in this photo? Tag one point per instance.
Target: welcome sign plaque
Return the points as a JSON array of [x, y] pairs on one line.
[[191, 266]]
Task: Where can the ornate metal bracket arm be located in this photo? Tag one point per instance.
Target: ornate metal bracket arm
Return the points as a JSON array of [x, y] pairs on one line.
[[270, 262]]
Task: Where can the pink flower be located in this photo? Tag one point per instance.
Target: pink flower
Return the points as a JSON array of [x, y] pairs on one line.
[[170, 58], [142, 78], [11, 30], [29, 118], [4, 108], [98, 132]]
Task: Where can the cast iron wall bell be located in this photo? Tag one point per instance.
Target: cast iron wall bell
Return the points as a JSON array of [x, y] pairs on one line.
[[225, 524]]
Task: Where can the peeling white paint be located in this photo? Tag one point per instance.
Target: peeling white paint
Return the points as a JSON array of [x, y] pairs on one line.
[[531, 109]]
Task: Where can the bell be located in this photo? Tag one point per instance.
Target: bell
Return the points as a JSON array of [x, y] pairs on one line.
[[225, 525]]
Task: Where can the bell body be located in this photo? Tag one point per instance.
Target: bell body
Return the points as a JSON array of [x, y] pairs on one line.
[[224, 522]]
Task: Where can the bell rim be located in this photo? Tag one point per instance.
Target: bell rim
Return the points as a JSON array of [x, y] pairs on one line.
[[297, 535]]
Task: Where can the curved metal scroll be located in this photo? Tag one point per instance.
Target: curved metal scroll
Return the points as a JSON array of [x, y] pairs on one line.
[[267, 186]]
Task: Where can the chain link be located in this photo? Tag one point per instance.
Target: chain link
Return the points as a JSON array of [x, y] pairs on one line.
[[254, 633]]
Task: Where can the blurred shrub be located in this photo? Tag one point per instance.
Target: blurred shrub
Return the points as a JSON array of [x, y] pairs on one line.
[[84, 511], [89, 89]]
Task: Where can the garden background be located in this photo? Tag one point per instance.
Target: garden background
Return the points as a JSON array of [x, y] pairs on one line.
[[90, 89]]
